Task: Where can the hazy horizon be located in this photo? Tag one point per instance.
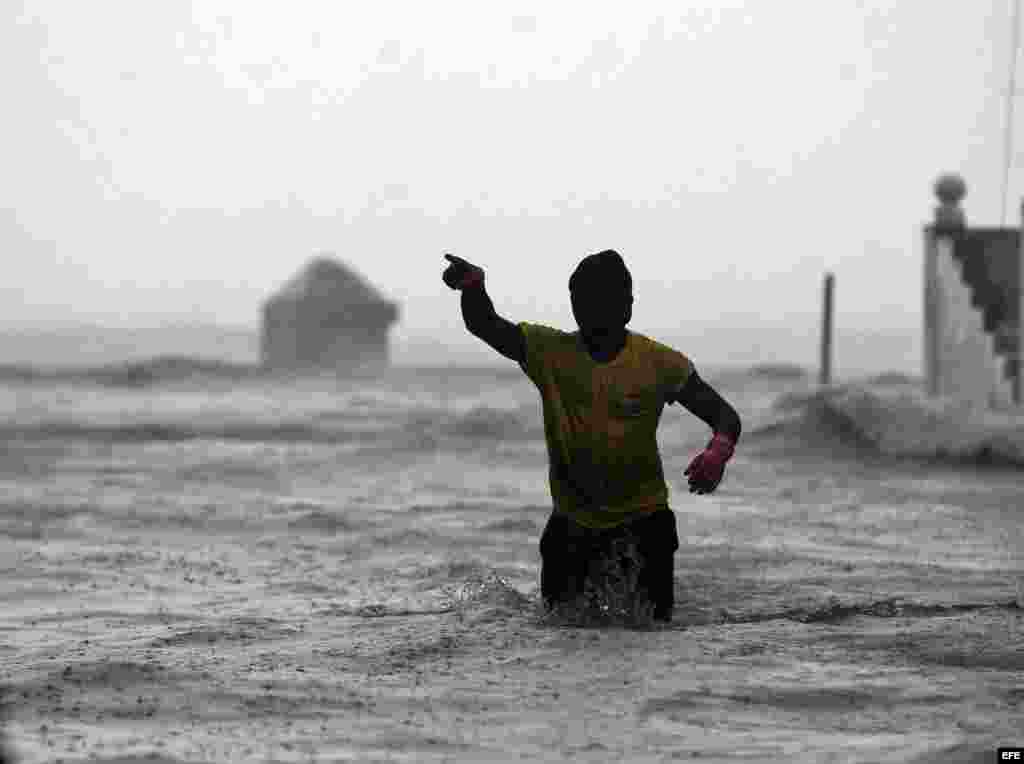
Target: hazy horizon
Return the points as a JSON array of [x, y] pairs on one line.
[[855, 351]]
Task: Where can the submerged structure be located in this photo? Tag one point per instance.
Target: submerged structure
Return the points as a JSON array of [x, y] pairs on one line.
[[326, 318], [973, 300]]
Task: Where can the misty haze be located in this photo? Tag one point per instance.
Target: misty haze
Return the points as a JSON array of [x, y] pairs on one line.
[[704, 442]]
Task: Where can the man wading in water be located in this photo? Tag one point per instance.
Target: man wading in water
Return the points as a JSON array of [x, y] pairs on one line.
[[602, 390]]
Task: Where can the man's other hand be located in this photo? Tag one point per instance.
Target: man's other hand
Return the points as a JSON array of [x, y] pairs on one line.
[[708, 467]]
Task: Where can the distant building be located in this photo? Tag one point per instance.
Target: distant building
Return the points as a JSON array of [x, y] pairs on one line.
[[326, 318], [973, 299]]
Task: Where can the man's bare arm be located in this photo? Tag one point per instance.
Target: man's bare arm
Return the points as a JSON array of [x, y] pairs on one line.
[[483, 321], [701, 400]]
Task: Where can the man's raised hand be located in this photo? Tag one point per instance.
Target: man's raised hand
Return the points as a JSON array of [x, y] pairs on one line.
[[461, 274]]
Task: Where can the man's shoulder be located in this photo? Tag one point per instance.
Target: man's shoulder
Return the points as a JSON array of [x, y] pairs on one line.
[[542, 332], [543, 346], [672, 367], [651, 346]]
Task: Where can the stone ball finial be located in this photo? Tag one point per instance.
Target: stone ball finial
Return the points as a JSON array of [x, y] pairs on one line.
[[950, 189], [949, 215]]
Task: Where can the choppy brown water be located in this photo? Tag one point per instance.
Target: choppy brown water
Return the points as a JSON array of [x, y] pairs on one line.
[[348, 572]]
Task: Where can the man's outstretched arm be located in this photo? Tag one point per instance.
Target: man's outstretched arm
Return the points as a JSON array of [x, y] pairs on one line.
[[478, 312], [483, 321]]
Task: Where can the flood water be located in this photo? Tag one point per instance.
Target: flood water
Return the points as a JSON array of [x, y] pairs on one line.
[[233, 570]]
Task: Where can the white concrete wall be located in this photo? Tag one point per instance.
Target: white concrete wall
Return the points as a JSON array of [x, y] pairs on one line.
[[965, 365]]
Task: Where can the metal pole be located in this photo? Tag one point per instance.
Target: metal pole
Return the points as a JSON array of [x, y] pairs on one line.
[[1011, 95], [825, 377]]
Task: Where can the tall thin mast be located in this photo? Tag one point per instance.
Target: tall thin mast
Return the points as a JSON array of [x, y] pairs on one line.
[[1011, 97]]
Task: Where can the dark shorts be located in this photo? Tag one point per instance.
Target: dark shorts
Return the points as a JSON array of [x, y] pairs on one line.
[[570, 552]]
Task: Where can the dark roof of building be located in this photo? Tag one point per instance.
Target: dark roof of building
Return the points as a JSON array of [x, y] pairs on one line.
[[325, 277]]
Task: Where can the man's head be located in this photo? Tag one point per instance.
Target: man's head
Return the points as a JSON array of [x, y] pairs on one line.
[[601, 290]]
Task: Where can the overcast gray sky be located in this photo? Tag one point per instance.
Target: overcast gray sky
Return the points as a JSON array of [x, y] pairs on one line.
[[162, 162]]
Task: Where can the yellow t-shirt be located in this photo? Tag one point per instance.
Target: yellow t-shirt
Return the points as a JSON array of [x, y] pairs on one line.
[[600, 422]]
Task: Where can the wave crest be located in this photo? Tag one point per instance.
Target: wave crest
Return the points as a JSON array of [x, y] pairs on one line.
[[899, 422], [169, 368], [485, 422]]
